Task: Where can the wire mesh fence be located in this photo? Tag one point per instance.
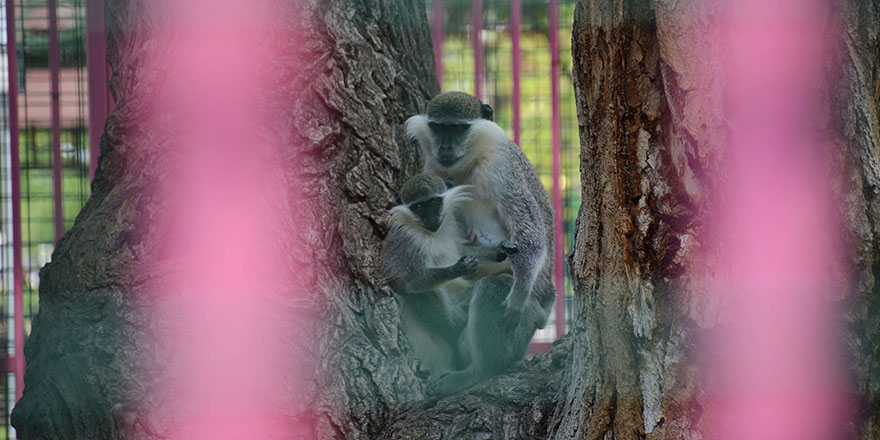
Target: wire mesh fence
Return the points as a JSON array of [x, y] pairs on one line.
[[53, 151]]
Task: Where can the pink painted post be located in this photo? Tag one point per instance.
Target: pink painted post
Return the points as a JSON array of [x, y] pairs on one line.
[[557, 191], [437, 37], [55, 109], [99, 99], [515, 19], [477, 44], [15, 174]]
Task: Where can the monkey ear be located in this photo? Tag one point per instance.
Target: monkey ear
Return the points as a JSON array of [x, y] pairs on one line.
[[450, 182], [487, 112], [397, 199]]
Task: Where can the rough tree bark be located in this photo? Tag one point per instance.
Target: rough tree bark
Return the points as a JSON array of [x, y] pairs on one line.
[[651, 126], [627, 370]]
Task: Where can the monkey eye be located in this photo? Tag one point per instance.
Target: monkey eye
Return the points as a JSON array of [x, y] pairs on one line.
[[435, 202], [459, 128]]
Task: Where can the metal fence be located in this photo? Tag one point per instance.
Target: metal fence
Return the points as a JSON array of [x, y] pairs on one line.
[[513, 54]]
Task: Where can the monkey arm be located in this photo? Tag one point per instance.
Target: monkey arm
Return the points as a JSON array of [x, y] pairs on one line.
[[526, 267], [405, 267], [483, 252], [431, 278], [532, 261], [527, 213]]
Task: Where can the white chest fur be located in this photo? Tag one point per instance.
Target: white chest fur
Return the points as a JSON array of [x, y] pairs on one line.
[[441, 248], [480, 214], [483, 221]]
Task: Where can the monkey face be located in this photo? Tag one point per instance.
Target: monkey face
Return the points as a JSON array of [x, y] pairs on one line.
[[449, 140], [429, 212]]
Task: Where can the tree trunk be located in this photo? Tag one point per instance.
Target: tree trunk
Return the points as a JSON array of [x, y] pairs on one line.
[[629, 366], [651, 127]]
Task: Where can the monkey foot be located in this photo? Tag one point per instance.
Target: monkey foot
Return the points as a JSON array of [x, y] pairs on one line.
[[451, 383]]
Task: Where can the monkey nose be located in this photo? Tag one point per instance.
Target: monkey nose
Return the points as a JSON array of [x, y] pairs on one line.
[[435, 225], [446, 157]]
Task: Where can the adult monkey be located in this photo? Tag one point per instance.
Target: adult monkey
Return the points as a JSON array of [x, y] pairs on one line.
[[508, 202]]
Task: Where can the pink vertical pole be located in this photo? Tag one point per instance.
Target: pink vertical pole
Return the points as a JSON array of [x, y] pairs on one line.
[[515, 19], [437, 37], [55, 109], [477, 43], [99, 99], [559, 274], [15, 174]]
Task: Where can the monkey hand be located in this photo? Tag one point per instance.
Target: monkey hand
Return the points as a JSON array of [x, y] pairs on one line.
[[465, 266], [511, 316], [504, 249], [508, 247]]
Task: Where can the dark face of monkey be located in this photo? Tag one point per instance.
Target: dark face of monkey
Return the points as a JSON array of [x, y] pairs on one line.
[[450, 116], [449, 138], [423, 195], [429, 212]]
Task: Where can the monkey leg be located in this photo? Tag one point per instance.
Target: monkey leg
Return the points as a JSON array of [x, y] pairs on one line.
[[433, 337], [491, 348], [488, 349], [453, 382]]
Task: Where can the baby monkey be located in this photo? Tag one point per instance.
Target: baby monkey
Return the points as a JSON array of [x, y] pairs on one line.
[[431, 266]]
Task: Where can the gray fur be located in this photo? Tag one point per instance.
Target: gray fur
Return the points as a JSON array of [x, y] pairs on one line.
[[454, 106], [420, 187]]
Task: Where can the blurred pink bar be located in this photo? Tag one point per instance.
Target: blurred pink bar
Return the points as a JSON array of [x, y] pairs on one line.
[[228, 376], [773, 361]]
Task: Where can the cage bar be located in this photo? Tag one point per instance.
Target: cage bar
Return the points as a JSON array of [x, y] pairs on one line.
[[437, 38], [55, 111], [515, 20], [477, 43], [557, 190], [15, 174], [96, 64]]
